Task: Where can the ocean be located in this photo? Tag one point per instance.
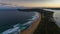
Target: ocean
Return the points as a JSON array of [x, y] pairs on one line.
[[10, 18]]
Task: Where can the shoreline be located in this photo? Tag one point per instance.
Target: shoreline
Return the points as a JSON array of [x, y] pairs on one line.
[[31, 29], [47, 24]]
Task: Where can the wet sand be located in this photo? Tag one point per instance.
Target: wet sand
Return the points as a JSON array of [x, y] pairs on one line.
[[33, 27]]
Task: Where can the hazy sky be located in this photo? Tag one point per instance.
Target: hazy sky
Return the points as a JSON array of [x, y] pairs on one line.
[[24, 0], [33, 3]]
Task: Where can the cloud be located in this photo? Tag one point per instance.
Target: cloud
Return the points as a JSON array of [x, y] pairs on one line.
[[23, 0], [33, 3]]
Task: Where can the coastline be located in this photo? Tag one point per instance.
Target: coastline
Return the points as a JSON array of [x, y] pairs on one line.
[[33, 26], [47, 24]]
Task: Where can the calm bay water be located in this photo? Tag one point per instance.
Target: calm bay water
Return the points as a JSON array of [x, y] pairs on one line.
[[57, 17]]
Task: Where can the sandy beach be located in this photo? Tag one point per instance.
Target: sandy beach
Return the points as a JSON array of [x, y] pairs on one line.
[[33, 27]]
